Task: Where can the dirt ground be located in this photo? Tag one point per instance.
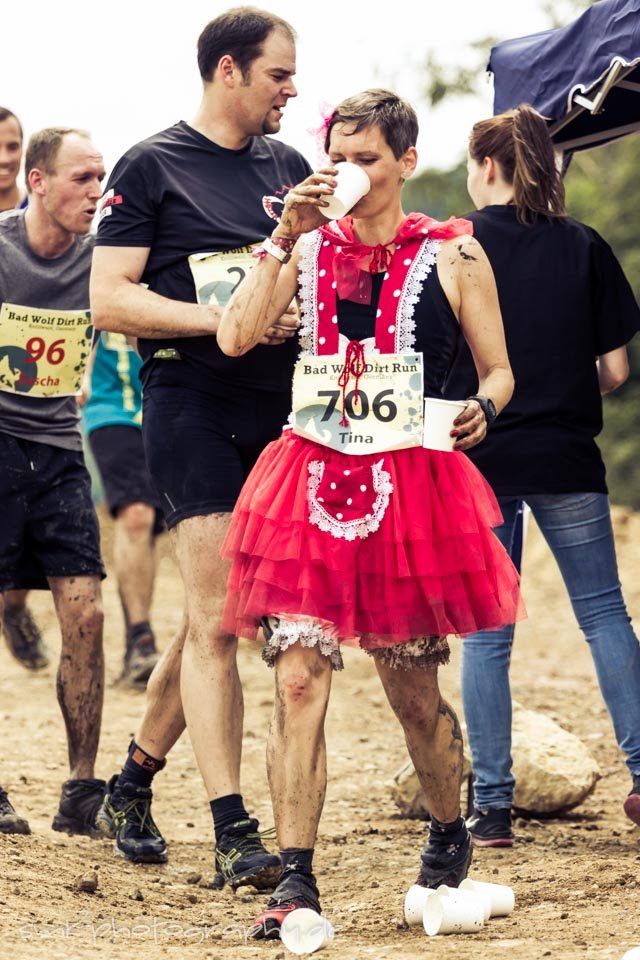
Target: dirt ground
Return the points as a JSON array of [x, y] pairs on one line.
[[574, 877]]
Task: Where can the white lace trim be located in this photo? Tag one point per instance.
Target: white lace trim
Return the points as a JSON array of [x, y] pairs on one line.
[[308, 282], [348, 529], [306, 632], [412, 288]]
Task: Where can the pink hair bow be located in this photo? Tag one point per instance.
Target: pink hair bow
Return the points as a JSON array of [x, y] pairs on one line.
[[319, 133]]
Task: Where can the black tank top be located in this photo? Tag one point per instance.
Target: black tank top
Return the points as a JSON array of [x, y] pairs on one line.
[[436, 331]]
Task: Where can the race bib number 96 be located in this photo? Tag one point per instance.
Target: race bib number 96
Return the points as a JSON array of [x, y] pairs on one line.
[[216, 275], [387, 414], [43, 353]]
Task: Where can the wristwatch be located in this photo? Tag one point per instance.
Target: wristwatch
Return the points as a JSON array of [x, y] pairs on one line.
[[488, 407]]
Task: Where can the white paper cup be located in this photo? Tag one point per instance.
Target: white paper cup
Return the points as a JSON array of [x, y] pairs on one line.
[[353, 184], [633, 954], [460, 893], [415, 902], [501, 897], [438, 422], [305, 931], [453, 915]]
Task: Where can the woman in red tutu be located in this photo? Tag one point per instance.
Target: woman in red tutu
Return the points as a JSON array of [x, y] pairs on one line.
[[348, 530]]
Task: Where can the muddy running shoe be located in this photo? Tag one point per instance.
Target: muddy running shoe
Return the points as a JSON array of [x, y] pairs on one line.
[[631, 805], [24, 639], [491, 827], [241, 858], [10, 822], [139, 660], [125, 813], [295, 890], [79, 803], [442, 863]]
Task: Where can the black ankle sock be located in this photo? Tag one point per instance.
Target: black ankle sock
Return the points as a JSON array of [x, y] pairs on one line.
[[140, 767], [137, 630], [447, 833], [298, 860], [227, 811]]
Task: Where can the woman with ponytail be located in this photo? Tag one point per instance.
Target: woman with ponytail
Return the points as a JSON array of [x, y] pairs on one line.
[[568, 313]]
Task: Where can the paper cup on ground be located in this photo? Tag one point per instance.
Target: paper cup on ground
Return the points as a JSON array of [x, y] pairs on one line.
[[353, 184], [501, 897], [415, 902], [458, 892], [305, 931], [633, 954], [438, 422], [453, 915]]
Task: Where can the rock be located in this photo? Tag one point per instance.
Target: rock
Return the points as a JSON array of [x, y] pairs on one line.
[[554, 770], [87, 882], [194, 878]]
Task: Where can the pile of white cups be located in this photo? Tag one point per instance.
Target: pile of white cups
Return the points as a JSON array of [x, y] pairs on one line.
[[463, 909]]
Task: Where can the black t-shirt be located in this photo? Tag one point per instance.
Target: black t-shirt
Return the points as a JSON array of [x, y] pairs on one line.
[[179, 194], [564, 301]]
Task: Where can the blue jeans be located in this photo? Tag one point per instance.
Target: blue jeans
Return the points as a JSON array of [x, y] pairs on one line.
[[577, 527]]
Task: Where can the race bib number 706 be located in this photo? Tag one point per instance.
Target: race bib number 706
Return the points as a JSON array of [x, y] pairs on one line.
[[385, 415]]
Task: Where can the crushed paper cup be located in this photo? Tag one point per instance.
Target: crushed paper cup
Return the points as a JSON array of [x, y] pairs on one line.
[[353, 184], [304, 931], [415, 902], [438, 422], [501, 897], [446, 914]]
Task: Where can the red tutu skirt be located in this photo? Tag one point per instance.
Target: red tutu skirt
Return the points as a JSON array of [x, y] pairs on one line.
[[387, 547]]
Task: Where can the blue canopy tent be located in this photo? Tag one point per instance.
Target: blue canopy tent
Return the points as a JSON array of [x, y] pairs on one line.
[[584, 77]]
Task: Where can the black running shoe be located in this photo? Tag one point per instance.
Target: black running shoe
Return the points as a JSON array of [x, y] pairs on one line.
[[295, 890], [125, 813], [445, 864], [491, 827], [79, 804], [241, 858], [631, 805], [24, 639], [10, 822], [140, 658]]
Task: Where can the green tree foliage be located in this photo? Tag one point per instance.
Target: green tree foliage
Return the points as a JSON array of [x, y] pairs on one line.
[[603, 190]]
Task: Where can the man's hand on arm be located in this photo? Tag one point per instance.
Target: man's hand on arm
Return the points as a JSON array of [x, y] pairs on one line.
[[286, 327]]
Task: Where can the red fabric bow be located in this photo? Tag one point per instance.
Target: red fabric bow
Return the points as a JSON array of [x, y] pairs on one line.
[[354, 262], [354, 366]]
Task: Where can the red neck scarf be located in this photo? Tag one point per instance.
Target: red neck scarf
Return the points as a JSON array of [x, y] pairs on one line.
[[354, 262]]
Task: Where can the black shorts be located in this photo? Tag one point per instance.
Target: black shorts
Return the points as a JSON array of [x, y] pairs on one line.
[[119, 454], [49, 526], [201, 445]]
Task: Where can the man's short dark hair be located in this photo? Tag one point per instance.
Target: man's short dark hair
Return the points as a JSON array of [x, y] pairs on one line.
[[43, 147], [6, 114], [240, 33], [395, 117]]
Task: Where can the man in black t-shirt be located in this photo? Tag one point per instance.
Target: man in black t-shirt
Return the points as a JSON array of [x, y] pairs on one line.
[[178, 218]]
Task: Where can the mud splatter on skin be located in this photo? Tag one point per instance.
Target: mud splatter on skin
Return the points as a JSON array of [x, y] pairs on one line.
[[465, 255], [446, 711]]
